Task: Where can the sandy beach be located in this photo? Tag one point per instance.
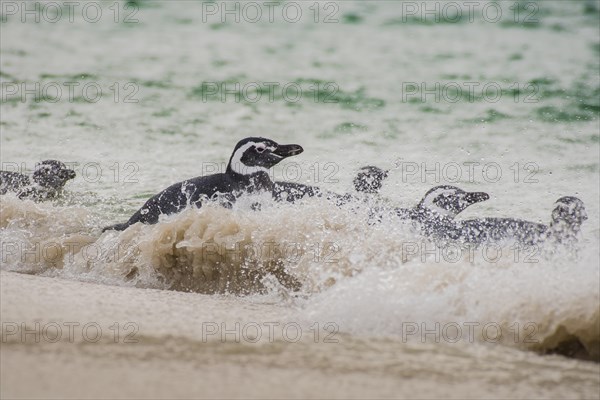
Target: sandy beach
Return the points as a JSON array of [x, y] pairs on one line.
[[171, 358]]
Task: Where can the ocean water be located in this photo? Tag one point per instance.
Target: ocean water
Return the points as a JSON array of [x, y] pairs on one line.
[[502, 97]]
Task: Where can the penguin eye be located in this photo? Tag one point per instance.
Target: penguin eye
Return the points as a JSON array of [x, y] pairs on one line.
[[441, 201], [260, 149]]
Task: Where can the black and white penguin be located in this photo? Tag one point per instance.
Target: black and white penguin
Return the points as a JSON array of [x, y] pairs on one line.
[[247, 171], [443, 201], [567, 217], [49, 178], [565, 224], [435, 214], [369, 179]]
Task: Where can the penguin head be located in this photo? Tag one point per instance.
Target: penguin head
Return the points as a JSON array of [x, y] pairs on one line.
[[256, 154], [52, 174], [569, 211], [369, 179], [449, 201]]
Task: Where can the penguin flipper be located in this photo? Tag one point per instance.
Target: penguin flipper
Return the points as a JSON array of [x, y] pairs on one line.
[[116, 227]]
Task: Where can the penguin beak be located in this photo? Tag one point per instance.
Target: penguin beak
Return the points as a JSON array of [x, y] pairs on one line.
[[583, 215], [475, 197], [287, 150]]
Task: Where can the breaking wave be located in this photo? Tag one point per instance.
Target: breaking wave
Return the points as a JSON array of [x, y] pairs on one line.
[[380, 280]]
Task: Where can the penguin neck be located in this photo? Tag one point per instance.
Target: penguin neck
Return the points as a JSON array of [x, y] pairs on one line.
[[47, 188], [43, 183], [424, 213], [564, 231]]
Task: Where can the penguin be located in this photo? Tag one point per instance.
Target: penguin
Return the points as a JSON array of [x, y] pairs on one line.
[[444, 201], [369, 179], [247, 172], [49, 178], [435, 214], [565, 224], [567, 217]]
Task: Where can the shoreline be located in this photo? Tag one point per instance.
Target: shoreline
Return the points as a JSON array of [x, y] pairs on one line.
[[169, 358]]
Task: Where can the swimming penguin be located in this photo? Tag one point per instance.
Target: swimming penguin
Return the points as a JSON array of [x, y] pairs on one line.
[[567, 217], [443, 201], [49, 178], [434, 215], [247, 171], [369, 179], [565, 224]]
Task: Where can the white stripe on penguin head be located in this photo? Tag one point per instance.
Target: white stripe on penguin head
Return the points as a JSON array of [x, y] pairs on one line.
[[239, 167], [429, 204]]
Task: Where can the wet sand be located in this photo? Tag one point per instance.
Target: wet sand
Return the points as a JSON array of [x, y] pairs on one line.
[[173, 357]]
